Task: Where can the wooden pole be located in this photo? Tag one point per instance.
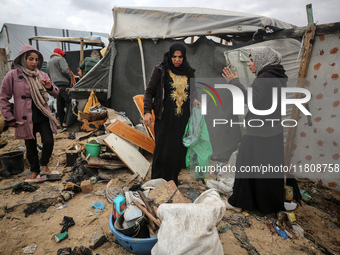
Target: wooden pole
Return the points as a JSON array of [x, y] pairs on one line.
[[304, 63], [149, 215], [81, 54], [309, 11]]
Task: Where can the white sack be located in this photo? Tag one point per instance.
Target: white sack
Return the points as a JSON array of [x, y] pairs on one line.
[[191, 228]]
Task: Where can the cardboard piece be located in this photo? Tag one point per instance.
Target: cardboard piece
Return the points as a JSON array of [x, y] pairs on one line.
[[132, 135], [129, 154], [86, 186], [162, 194], [87, 126]]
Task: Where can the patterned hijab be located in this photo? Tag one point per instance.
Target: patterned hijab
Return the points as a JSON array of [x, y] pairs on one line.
[[264, 56]]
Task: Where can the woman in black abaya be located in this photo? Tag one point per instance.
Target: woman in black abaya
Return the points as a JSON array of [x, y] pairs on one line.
[[261, 145], [168, 94]]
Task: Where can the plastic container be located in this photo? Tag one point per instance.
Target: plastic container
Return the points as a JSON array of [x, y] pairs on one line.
[[13, 162], [71, 157], [93, 149], [119, 205], [138, 229], [134, 245]]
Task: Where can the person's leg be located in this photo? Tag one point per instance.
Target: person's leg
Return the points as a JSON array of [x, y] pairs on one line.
[[66, 104], [32, 156], [61, 103], [47, 140]]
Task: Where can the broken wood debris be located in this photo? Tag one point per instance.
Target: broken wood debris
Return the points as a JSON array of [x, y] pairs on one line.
[[127, 153], [132, 135]]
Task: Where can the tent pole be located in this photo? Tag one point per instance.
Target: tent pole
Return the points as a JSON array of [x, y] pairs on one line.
[[304, 63], [81, 54], [142, 60]]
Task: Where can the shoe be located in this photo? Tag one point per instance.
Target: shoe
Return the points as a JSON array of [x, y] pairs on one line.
[[230, 207]]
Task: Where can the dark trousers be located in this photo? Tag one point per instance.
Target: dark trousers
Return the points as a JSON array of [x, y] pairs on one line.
[[62, 103], [31, 146]]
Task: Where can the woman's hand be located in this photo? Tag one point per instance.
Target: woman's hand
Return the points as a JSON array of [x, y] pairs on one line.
[[46, 83], [228, 75], [196, 103], [147, 119]]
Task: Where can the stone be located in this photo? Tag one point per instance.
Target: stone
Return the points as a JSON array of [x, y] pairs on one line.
[[97, 240]]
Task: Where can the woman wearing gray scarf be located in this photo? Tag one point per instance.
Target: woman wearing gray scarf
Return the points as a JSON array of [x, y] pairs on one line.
[[262, 145]]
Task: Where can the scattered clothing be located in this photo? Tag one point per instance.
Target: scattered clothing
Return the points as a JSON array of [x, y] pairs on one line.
[[40, 208], [24, 186]]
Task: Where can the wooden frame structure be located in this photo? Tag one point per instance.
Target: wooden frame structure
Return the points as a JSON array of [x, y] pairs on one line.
[[76, 40]]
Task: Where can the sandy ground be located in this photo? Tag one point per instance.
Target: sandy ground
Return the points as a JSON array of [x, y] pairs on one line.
[[17, 231]]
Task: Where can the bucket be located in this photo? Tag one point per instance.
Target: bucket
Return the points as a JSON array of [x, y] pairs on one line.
[[13, 162], [138, 229], [93, 149], [134, 245]]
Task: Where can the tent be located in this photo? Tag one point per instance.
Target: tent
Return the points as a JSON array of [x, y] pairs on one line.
[[139, 38], [141, 35], [13, 36]]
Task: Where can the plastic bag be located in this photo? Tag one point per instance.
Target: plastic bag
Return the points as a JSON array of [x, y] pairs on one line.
[[196, 138], [225, 187], [92, 101], [191, 228]]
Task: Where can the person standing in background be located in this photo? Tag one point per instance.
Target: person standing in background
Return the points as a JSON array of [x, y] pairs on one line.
[[90, 62], [59, 72], [30, 88]]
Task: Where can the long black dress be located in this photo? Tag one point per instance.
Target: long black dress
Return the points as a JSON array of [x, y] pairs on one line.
[[169, 153], [263, 194]]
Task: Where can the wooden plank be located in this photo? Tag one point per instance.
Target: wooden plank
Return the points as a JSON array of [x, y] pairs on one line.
[[96, 162], [307, 50], [132, 135], [162, 194], [309, 11], [140, 106], [298, 33], [129, 154]]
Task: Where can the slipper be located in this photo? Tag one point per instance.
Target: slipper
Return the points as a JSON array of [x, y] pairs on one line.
[[38, 179]]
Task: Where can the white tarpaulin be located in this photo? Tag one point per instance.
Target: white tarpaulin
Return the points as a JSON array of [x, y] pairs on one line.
[[168, 22], [316, 151]]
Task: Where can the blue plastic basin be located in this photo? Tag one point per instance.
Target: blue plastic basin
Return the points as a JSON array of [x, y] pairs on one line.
[[134, 245]]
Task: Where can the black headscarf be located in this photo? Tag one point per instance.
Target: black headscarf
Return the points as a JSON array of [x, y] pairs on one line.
[[184, 68]]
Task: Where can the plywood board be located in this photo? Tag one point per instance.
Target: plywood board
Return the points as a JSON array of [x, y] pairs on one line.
[[128, 153], [132, 135], [140, 106], [162, 194]]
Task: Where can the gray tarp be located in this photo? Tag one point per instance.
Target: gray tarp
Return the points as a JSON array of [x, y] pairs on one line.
[[206, 56], [168, 22]]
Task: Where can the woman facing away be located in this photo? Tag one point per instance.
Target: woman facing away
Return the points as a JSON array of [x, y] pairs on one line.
[[168, 94], [260, 146], [30, 88]]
